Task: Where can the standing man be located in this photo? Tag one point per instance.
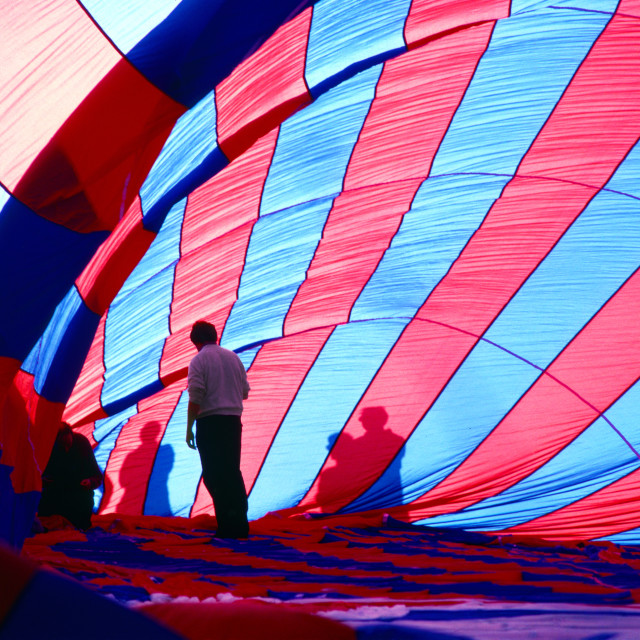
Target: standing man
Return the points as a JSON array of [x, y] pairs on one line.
[[217, 383]]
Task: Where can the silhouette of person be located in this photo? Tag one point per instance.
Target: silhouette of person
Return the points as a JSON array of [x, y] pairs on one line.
[[136, 463], [374, 421], [160, 502], [330, 480], [69, 479], [217, 384], [345, 451]]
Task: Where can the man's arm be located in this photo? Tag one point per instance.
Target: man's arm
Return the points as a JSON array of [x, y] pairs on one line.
[[245, 383], [195, 387], [91, 470], [192, 413]]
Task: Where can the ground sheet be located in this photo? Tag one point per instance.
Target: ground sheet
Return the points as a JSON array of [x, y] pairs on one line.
[[379, 577]]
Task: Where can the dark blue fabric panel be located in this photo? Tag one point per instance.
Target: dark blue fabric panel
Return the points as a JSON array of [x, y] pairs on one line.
[[56, 608], [116, 406], [202, 41], [18, 510], [39, 262], [57, 359]]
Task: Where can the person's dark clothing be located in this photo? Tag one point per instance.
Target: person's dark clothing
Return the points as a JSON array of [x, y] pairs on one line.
[[218, 439], [62, 491]]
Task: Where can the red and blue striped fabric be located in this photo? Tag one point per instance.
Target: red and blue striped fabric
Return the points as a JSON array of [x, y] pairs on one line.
[[415, 222]]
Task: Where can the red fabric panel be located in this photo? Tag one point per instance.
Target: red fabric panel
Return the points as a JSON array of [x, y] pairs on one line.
[[525, 222], [404, 386], [15, 574], [593, 371], [84, 403], [217, 225], [599, 111], [265, 89], [520, 229], [245, 619], [29, 427], [357, 233], [602, 361], [52, 56], [8, 369], [275, 380], [617, 507], [428, 18], [547, 418], [116, 258], [98, 285], [87, 431], [401, 135], [392, 156], [131, 461], [629, 8], [203, 504], [91, 170], [213, 246], [398, 140]]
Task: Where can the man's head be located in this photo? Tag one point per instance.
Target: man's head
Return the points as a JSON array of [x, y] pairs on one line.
[[65, 436], [203, 332]]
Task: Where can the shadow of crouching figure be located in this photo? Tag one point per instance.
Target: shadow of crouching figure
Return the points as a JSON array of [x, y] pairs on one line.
[[69, 479]]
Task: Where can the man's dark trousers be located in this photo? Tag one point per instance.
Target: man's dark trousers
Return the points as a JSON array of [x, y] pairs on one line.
[[218, 439]]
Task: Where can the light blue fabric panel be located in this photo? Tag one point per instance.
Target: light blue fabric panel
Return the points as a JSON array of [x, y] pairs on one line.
[[175, 477], [598, 457], [322, 406], [445, 213], [280, 250], [247, 356], [41, 357], [626, 537], [526, 68], [138, 319], [315, 145], [586, 267], [350, 35], [553, 305], [625, 180], [105, 433], [488, 384], [596, 6], [193, 138], [310, 158], [126, 22], [57, 358]]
